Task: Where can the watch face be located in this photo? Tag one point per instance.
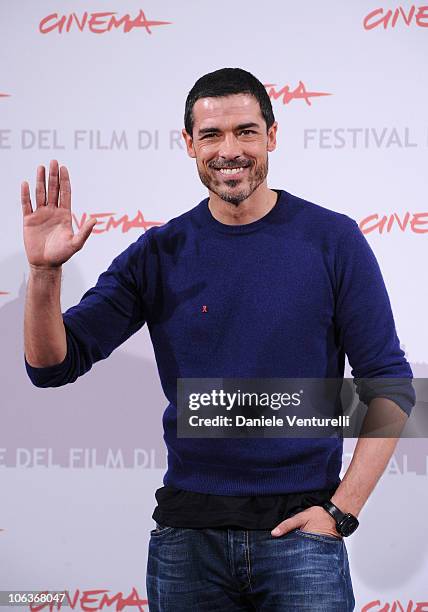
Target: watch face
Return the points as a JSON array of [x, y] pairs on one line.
[[348, 525]]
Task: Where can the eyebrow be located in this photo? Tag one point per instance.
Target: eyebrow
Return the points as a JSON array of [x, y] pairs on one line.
[[241, 126]]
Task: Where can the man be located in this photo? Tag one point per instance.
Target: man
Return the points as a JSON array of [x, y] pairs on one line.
[[253, 283]]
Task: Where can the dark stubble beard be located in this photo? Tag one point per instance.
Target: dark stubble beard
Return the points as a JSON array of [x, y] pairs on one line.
[[237, 196]]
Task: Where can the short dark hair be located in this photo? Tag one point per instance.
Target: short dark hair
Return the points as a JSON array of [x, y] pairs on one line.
[[226, 82]]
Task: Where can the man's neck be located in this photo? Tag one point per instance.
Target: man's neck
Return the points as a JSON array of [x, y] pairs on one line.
[[253, 208]]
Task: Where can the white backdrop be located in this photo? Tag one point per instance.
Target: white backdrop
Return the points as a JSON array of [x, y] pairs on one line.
[[79, 465]]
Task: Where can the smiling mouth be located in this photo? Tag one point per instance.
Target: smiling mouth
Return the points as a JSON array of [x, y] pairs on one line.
[[231, 172]]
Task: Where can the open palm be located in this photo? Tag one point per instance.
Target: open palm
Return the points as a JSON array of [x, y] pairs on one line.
[[48, 233]]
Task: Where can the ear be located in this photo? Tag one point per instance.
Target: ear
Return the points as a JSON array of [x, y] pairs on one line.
[[271, 136], [189, 143]]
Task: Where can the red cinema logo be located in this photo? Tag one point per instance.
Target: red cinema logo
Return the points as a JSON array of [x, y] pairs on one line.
[[390, 18], [107, 221], [300, 92], [97, 23], [414, 222], [395, 606], [97, 599]]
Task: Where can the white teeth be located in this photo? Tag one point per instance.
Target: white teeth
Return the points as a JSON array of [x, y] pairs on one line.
[[230, 170]]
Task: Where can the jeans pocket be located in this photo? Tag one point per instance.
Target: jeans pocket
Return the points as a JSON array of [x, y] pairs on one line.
[[161, 530], [323, 537]]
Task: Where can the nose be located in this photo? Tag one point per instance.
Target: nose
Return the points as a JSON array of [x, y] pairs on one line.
[[230, 147]]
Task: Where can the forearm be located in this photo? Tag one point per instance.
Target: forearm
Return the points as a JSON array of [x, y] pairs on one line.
[[44, 332], [371, 456]]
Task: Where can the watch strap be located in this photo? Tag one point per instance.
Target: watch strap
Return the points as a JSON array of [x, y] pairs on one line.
[[335, 512]]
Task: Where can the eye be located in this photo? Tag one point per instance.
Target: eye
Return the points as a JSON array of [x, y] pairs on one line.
[[209, 136], [247, 131]]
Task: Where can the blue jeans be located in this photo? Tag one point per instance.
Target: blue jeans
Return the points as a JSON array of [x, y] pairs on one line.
[[225, 569]]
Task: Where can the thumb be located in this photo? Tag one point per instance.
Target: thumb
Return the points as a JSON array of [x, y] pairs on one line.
[[82, 235], [288, 525]]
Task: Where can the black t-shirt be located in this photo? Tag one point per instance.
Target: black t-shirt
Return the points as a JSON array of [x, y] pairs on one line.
[[179, 508]]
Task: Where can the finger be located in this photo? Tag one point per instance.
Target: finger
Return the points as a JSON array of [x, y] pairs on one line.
[[53, 183], [83, 234], [40, 187], [286, 526], [64, 188], [27, 209]]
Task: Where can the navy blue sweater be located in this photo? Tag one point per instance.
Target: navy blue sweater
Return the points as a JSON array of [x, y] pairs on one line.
[[287, 296]]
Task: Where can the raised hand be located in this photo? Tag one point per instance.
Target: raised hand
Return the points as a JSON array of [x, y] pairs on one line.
[[48, 233]]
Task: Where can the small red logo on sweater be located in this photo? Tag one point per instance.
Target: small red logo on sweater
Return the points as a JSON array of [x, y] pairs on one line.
[[204, 308]]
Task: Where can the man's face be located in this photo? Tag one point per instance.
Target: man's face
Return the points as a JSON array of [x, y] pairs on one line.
[[229, 133]]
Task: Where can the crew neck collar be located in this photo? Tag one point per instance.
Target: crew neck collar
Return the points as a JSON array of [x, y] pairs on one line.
[[244, 228]]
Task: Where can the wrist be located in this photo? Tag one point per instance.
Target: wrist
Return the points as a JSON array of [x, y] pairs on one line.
[[346, 505], [36, 270], [346, 522]]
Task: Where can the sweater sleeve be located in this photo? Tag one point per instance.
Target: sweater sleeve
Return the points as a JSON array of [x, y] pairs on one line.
[[107, 315], [366, 327]]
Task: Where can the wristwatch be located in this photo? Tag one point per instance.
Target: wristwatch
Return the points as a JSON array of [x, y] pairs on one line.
[[345, 523]]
